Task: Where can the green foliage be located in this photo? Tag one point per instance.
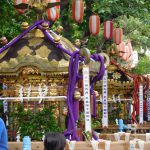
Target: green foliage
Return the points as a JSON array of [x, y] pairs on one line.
[[133, 16], [10, 24], [34, 124], [143, 66]]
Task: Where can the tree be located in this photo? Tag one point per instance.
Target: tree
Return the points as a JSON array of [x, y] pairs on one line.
[[133, 16]]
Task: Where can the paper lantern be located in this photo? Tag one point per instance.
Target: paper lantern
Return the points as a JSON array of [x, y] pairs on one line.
[[121, 49], [77, 10], [108, 29], [117, 35], [94, 24], [16, 2], [126, 54], [54, 12]]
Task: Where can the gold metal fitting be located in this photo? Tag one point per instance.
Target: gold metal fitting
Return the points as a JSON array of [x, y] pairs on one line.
[[24, 25], [56, 39], [59, 29], [77, 95], [45, 25], [3, 40]]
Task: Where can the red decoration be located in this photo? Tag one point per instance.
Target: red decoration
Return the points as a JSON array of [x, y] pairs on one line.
[[118, 36], [16, 2], [54, 12], [125, 51], [77, 10], [94, 24], [121, 49], [108, 29]]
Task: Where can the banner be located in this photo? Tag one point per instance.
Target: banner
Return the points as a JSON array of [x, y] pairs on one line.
[[86, 89], [148, 105], [105, 102], [141, 104]]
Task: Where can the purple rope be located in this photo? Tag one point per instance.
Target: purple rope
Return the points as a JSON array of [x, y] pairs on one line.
[[73, 67], [21, 35], [96, 78], [58, 45]]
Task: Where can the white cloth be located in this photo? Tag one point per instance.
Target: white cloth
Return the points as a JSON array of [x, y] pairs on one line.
[[107, 145]]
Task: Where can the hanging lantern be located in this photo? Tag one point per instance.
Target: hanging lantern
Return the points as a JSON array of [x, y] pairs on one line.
[[121, 49], [126, 54], [108, 29], [117, 36], [77, 10], [94, 24], [17, 2], [54, 12]]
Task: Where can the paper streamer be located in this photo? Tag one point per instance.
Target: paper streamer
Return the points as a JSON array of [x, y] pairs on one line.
[[94, 144], [132, 145], [86, 85], [147, 137], [141, 104], [107, 145], [141, 145], [105, 102], [71, 144], [117, 136], [148, 106], [5, 106], [127, 137]]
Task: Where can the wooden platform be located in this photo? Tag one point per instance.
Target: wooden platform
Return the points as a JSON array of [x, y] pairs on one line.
[[121, 145]]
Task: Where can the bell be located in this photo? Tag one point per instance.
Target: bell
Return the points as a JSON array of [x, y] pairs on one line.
[[3, 40], [24, 25], [77, 95]]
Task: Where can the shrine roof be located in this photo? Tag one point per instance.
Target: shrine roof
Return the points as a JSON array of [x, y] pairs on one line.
[[36, 47]]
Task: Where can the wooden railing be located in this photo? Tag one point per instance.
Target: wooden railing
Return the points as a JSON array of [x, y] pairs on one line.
[[120, 145]]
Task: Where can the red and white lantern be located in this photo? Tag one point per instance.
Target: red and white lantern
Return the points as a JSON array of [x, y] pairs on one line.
[[77, 10], [108, 29], [118, 35], [17, 2], [94, 24], [54, 12]]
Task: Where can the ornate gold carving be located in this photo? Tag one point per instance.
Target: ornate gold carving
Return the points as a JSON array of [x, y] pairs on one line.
[[116, 75], [29, 70], [43, 51]]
